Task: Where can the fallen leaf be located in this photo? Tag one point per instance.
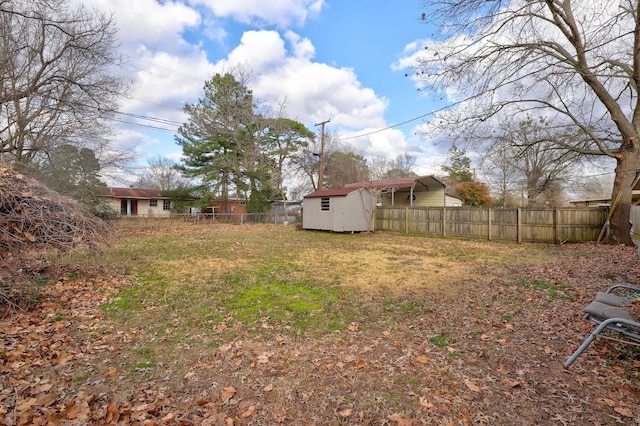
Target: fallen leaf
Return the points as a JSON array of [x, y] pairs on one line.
[[47, 399], [617, 407], [248, 412], [422, 359], [226, 394], [386, 333], [353, 326], [345, 413], [112, 414], [26, 404], [623, 411], [503, 342], [511, 383], [268, 388], [472, 385], [225, 348], [71, 411], [112, 373], [426, 404], [607, 401]]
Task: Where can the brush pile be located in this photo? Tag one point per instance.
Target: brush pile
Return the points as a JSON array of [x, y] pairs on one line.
[[34, 217]]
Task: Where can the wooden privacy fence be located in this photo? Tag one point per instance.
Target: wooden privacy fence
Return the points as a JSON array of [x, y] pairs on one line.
[[521, 225]]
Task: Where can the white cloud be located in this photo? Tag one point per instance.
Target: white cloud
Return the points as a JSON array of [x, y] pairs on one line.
[[314, 91], [259, 12], [258, 51], [149, 22], [160, 90], [302, 47]]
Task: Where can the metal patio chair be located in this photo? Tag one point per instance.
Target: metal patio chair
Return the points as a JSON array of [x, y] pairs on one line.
[[610, 311]]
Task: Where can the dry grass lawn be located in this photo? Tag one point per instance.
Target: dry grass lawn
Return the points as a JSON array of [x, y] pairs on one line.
[[268, 325]]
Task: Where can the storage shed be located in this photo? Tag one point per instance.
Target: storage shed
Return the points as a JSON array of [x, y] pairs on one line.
[[339, 210]]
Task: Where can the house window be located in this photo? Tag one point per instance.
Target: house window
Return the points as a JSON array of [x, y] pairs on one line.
[[166, 204], [324, 204], [153, 203]]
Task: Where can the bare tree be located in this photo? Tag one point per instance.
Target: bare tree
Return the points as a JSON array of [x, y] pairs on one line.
[[401, 166], [344, 167], [502, 175], [161, 173], [59, 82], [528, 155], [305, 163], [576, 63]]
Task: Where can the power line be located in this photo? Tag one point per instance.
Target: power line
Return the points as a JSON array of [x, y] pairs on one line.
[[145, 125]]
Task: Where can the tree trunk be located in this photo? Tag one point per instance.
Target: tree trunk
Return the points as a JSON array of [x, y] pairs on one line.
[[628, 164]]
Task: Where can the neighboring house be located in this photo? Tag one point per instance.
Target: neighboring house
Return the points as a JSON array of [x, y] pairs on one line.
[[230, 205], [339, 210], [136, 202], [634, 214], [415, 191], [600, 202]]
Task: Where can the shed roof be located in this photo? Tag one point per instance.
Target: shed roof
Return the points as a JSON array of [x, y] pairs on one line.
[[404, 182], [138, 194], [342, 192]]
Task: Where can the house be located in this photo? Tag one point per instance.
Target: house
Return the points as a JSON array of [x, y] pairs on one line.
[[136, 202], [414, 191], [600, 202], [339, 210], [228, 205]]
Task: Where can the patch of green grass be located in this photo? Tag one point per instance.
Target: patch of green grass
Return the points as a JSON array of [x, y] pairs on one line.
[[402, 307], [148, 356], [299, 305], [554, 291], [440, 341], [143, 365]]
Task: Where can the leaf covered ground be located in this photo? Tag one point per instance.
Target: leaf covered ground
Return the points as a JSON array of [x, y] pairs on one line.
[[233, 325]]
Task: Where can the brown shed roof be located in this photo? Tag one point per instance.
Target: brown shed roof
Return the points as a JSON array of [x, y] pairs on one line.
[[332, 192]]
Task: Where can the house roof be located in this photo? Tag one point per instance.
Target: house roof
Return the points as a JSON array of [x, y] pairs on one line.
[[332, 192], [139, 194], [404, 182]]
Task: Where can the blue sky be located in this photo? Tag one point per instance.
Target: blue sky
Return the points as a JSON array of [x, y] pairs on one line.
[[330, 59]]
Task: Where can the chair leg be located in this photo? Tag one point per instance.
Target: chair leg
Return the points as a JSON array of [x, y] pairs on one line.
[[588, 340]]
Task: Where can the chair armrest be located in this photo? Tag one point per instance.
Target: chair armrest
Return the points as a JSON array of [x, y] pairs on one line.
[[623, 287]]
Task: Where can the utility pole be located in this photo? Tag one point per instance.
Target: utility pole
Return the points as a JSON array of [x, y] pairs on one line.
[[321, 174]]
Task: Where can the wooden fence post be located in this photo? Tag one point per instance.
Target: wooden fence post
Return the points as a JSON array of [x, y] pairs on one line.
[[489, 224], [444, 221], [519, 224], [406, 220], [556, 227]]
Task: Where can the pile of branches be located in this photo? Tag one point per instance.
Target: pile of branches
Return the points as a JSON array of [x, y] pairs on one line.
[[33, 216]]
